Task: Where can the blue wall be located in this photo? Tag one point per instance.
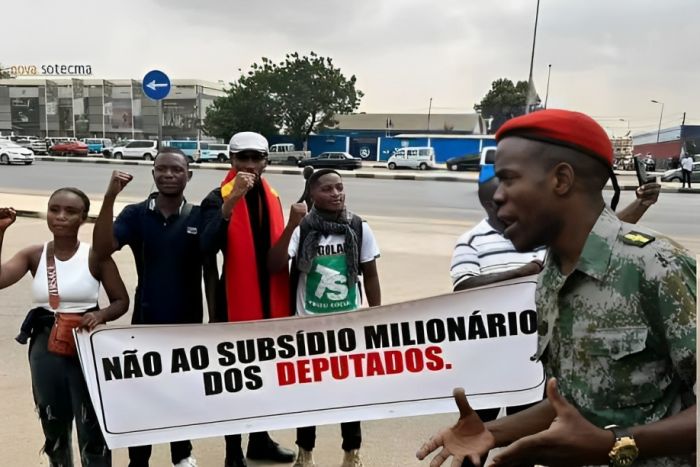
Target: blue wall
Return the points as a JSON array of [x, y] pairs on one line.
[[387, 147], [444, 147], [323, 143]]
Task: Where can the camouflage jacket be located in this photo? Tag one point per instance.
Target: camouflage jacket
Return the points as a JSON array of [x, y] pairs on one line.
[[619, 331]]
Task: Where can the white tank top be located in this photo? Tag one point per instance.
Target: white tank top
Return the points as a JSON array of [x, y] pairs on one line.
[[77, 287]]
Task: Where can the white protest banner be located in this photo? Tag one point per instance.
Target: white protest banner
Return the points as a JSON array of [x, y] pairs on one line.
[[153, 384]]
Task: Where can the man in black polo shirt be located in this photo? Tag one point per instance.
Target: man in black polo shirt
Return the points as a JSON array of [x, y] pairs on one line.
[[163, 234]]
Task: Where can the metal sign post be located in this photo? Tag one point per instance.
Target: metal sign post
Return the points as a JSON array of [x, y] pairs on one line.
[[156, 86], [160, 123]]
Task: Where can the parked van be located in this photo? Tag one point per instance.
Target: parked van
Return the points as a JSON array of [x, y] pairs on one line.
[[422, 158], [218, 152], [97, 145], [196, 151], [286, 153]]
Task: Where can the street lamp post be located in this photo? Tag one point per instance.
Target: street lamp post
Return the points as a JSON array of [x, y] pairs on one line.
[[658, 133], [546, 96], [430, 108], [530, 84]]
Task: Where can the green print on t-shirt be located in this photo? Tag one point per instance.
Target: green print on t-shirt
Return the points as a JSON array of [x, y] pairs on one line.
[[327, 288]]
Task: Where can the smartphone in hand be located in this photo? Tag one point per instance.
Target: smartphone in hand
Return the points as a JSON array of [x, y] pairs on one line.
[[641, 170]]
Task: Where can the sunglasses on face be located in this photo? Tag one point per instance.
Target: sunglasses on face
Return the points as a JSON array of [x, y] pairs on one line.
[[250, 156]]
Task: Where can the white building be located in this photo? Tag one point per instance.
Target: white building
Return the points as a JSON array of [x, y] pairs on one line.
[[102, 108]]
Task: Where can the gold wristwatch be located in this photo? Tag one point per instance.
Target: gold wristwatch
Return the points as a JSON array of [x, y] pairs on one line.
[[624, 452]]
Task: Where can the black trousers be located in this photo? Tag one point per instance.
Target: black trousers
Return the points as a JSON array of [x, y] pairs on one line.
[[233, 443], [139, 455], [61, 396], [686, 177], [350, 431]]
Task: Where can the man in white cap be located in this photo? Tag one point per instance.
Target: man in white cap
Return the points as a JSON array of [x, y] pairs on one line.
[[243, 219]]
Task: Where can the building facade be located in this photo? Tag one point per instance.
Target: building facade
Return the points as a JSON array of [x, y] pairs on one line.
[[97, 108], [622, 146], [374, 136], [667, 144]]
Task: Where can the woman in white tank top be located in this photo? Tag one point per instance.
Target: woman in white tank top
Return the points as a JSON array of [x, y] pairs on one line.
[[59, 389]]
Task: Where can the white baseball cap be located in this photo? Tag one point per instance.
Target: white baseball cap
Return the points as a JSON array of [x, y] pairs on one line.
[[248, 141]]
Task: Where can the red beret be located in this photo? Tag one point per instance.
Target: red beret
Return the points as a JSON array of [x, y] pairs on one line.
[[562, 128]]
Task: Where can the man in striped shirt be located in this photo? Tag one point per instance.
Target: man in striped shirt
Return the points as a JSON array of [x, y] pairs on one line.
[[483, 255]]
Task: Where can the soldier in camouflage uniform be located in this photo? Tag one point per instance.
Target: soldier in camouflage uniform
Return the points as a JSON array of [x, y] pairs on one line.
[[616, 309], [619, 332]]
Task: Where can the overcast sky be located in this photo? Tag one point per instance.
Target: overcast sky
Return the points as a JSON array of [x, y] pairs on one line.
[[609, 57]]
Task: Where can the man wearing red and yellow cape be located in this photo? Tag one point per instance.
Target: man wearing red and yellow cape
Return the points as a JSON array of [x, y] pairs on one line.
[[243, 219]]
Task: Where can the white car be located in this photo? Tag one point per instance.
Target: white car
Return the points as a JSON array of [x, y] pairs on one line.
[[39, 146], [11, 152], [138, 149]]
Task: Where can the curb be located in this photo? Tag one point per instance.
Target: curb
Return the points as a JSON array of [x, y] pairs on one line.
[[296, 171], [270, 169]]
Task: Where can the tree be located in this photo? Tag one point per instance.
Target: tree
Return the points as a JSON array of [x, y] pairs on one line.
[[312, 91], [247, 106], [504, 101], [298, 96]]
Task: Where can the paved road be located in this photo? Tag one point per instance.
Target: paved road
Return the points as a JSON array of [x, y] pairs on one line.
[[676, 214]]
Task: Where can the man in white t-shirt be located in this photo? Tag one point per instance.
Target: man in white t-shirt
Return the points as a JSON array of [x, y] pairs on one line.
[[325, 288], [333, 256]]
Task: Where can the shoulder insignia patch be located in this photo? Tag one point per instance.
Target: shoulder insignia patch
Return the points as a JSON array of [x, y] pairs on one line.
[[637, 239]]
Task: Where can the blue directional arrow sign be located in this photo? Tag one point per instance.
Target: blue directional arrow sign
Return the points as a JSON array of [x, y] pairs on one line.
[[156, 85]]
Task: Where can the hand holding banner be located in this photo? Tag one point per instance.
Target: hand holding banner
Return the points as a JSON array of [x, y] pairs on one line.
[[153, 384]]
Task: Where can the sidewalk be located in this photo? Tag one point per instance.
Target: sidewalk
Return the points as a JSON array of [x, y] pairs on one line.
[[35, 205], [376, 170]]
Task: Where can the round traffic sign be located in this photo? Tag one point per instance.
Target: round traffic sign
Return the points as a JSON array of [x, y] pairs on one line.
[[156, 85]]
